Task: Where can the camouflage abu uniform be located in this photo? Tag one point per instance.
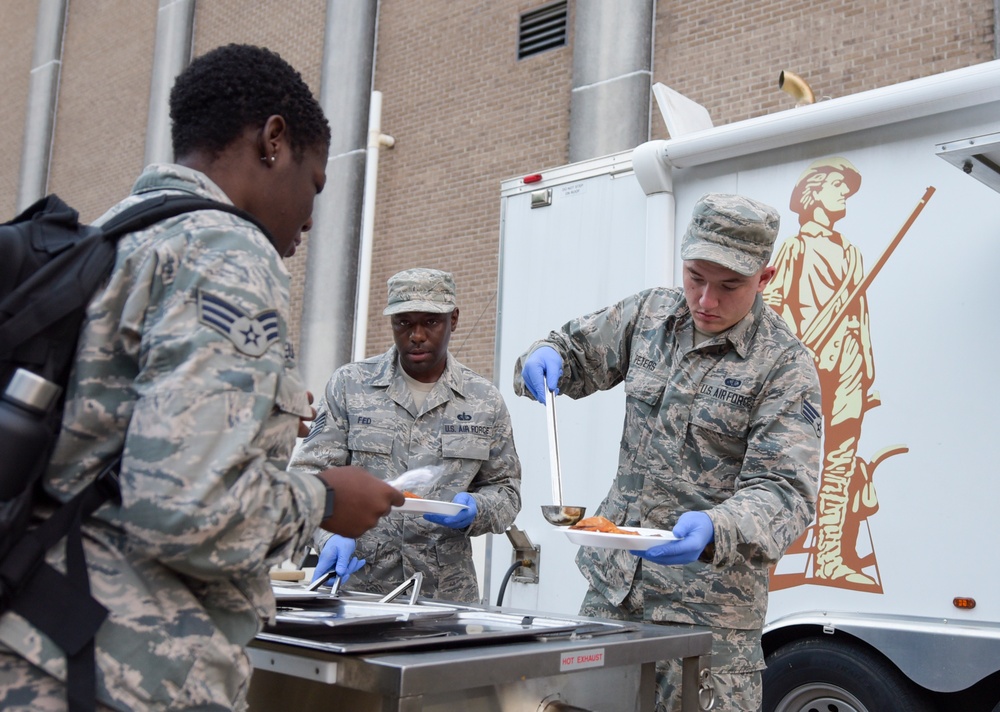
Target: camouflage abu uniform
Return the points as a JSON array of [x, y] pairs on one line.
[[184, 363], [728, 427], [368, 418]]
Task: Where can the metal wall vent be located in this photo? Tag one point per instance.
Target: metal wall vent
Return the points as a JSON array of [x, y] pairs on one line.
[[542, 29]]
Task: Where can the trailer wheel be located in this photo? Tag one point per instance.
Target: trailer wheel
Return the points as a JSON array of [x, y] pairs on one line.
[[821, 674]]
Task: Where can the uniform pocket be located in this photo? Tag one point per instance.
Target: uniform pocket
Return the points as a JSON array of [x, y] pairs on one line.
[[456, 575], [737, 588], [717, 436], [370, 447], [368, 547], [291, 396], [729, 421], [454, 550], [644, 394], [290, 405], [644, 386], [464, 446]]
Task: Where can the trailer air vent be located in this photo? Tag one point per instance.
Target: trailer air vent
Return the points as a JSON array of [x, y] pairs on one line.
[[542, 29]]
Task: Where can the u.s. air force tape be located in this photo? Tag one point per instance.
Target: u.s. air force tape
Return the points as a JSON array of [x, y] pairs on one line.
[[252, 335]]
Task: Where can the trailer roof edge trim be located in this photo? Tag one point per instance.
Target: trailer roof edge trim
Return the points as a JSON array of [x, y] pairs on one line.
[[938, 93]]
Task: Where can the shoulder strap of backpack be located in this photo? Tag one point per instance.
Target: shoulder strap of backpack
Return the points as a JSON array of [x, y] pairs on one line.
[[152, 210], [33, 307]]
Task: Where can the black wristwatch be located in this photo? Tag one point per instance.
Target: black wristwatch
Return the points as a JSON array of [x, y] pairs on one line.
[[330, 499]]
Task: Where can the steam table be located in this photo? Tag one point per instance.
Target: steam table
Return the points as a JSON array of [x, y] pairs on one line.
[[570, 663]]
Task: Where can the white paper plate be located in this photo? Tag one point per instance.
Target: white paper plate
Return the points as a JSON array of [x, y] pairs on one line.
[[297, 593], [645, 539], [429, 506]]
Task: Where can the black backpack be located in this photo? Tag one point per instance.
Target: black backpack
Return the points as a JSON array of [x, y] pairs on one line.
[[50, 267]]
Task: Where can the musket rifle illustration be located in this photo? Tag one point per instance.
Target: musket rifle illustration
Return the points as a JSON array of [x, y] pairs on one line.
[[821, 330]]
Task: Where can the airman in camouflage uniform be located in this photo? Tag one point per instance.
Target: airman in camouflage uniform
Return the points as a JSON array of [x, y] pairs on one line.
[[721, 418], [369, 417], [185, 371]]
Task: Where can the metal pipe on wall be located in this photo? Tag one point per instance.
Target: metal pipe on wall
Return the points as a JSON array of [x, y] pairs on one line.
[[996, 29], [332, 270], [43, 96], [171, 54], [612, 70]]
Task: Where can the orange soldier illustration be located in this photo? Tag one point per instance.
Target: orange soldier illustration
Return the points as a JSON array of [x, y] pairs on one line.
[[817, 290]]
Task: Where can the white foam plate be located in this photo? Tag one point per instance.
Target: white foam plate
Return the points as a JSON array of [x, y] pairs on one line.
[[642, 540], [297, 593], [429, 506]]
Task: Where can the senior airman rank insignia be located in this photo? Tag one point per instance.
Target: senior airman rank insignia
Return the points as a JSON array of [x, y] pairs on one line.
[[812, 416], [252, 335]]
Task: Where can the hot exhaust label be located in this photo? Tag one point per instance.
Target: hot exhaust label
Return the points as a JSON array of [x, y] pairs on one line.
[[582, 659]]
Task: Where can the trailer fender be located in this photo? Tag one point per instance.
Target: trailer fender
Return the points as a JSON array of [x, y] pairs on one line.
[[939, 654]]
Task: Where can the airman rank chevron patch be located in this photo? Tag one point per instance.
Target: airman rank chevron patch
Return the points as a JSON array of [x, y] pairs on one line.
[[812, 416], [252, 335]]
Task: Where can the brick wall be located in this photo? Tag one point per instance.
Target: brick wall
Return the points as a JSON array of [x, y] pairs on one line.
[[727, 56], [292, 28], [17, 36], [100, 133], [465, 114], [100, 141]]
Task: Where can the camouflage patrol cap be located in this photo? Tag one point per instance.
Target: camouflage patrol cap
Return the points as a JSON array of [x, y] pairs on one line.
[[731, 230], [421, 290]]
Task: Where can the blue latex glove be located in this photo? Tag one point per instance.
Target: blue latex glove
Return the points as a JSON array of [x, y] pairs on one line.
[[338, 554], [694, 531], [460, 520], [542, 368]]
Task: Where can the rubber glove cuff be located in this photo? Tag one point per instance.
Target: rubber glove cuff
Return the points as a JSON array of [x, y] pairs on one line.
[[542, 371], [694, 531], [338, 556], [460, 520]]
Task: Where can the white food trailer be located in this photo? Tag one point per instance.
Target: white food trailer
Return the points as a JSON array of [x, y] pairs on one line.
[[891, 601]]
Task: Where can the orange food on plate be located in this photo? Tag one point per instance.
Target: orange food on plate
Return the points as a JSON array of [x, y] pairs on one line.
[[600, 524], [410, 495]]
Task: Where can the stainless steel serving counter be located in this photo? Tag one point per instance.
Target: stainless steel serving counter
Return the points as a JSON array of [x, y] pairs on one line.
[[459, 658]]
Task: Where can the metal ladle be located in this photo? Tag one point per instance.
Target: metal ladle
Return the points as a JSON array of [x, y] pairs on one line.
[[557, 514]]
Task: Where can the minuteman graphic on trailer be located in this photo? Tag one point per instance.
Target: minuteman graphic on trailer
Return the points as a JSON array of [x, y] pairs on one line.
[[820, 290]]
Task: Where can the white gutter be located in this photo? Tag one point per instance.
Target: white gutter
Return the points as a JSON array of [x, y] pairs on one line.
[[376, 139], [914, 99]]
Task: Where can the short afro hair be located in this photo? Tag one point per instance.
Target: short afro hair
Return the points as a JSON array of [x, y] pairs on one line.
[[224, 91]]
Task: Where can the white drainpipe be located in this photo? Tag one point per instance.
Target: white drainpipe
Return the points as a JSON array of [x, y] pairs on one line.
[[376, 139]]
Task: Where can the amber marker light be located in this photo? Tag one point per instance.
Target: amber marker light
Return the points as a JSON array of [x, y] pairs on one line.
[[964, 603], [533, 178]]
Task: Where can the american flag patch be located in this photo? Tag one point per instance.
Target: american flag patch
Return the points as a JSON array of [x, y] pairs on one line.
[[812, 416]]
